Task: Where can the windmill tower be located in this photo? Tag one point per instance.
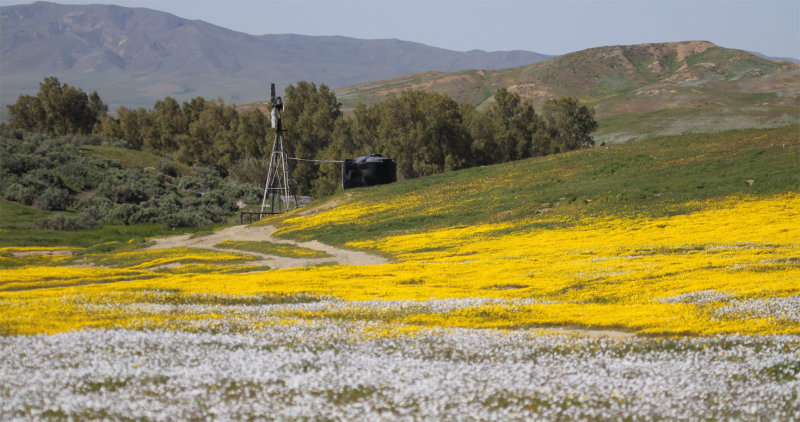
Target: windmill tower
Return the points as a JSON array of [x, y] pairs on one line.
[[277, 189]]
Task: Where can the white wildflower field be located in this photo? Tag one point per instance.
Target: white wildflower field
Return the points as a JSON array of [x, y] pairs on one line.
[[252, 361]]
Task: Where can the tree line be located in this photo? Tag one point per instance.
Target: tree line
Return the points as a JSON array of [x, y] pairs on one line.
[[426, 133]]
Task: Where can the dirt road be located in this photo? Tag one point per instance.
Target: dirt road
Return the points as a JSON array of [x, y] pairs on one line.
[[264, 233]]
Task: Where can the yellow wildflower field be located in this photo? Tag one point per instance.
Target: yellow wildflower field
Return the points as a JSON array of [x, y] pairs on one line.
[[731, 267]]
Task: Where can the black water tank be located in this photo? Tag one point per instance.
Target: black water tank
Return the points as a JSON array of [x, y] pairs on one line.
[[368, 171]]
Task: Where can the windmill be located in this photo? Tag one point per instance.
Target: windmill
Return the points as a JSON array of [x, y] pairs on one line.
[[277, 189]]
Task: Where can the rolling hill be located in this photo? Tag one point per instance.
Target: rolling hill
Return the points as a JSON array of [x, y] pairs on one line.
[[636, 90], [136, 56], [651, 178]]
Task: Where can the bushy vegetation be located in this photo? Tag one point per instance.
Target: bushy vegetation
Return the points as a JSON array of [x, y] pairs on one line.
[[426, 133], [53, 174]]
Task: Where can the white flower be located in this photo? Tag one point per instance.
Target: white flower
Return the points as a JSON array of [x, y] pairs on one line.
[[335, 370]]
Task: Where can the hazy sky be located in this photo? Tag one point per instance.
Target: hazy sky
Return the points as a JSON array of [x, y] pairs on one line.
[[771, 27]]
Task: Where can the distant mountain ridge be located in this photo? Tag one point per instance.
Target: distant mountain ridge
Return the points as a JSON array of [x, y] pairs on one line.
[[776, 59], [616, 79], [135, 56], [636, 90]]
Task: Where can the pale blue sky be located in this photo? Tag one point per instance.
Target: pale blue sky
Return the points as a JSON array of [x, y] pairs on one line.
[[771, 27]]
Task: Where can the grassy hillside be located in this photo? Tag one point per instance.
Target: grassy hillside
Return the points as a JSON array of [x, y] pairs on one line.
[[655, 177], [666, 122], [637, 91], [616, 79]]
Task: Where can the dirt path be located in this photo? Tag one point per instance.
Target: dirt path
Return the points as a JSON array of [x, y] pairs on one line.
[[264, 233]]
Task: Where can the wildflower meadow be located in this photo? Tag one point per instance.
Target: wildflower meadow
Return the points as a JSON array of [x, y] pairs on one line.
[[676, 317], [656, 280]]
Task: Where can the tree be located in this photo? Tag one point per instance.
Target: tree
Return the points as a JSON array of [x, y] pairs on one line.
[[97, 107], [134, 126], [191, 109], [344, 144], [569, 124], [252, 134], [504, 132], [108, 127], [211, 140], [168, 121], [27, 114], [423, 131], [514, 123], [309, 116], [57, 109]]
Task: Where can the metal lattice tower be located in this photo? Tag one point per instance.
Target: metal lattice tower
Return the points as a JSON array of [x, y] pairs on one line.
[[277, 189]]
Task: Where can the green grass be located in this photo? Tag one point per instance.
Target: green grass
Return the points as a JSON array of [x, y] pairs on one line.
[[17, 216], [649, 124], [271, 248], [655, 177], [17, 228], [132, 158]]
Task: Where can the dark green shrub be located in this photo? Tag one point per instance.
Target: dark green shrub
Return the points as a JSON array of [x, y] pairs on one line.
[[123, 191], [21, 193], [81, 178], [79, 140], [95, 207], [59, 222], [56, 222], [121, 214], [83, 221], [43, 178], [20, 163], [46, 172], [244, 191], [207, 177], [52, 199], [167, 167], [7, 179], [188, 183], [186, 219]]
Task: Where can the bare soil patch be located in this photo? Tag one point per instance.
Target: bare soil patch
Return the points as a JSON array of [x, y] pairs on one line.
[[264, 233]]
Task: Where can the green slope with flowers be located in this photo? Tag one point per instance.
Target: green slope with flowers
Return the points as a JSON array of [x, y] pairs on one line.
[[654, 178], [688, 235]]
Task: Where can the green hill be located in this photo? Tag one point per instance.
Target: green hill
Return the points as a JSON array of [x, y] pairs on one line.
[[655, 177], [703, 87]]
